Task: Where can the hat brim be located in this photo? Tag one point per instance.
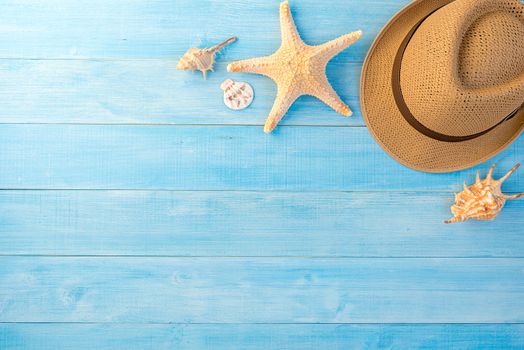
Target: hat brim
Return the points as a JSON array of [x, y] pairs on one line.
[[389, 128]]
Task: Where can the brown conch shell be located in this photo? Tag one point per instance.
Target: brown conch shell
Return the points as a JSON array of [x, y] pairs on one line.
[[483, 200], [201, 59]]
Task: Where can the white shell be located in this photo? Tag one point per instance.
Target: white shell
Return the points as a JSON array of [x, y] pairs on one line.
[[237, 94]]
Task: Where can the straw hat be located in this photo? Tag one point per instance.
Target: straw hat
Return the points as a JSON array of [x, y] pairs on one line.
[[442, 87]]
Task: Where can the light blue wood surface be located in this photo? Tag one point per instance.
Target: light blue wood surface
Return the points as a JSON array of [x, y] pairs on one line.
[[259, 336], [152, 92], [256, 224], [151, 29], [218, 158], [137, 212], [262, 290]]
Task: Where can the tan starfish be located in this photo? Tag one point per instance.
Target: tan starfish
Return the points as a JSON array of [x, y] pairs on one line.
[[297, 69]]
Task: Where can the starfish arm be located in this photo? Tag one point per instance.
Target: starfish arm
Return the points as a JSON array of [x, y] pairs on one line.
[[325, 93], [284, 100], [289, 32], [258, 65], [334, 47]]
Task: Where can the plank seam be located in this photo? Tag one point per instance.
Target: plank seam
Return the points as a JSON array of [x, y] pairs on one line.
[[259, 257], [259, 323], [185, 124], [147, 190], [138, 59]]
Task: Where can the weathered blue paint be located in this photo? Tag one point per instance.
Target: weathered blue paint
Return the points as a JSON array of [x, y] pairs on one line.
[[260, 336], [146, 29], [262, 290], [153, 92], [256, 224], [137, 212], [297, 158], [101, 80]]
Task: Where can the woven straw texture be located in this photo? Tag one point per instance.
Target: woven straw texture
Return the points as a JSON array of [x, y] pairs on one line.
[[462, 72]]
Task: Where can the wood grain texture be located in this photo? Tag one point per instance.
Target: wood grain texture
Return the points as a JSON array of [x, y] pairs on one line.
[[166, 28], [201, 232], [216, 158], [259, 336], [152, 92], [380, 224], [261, 290], [116, 63]]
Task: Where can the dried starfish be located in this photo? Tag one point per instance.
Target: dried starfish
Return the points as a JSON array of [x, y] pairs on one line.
[[297, 69]]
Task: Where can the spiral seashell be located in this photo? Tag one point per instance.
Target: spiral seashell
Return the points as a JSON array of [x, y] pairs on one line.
[[483, 200], [237, 94], [201, 59]]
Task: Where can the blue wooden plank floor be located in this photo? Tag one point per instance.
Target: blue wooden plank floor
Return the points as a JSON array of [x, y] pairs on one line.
[[137, 212]]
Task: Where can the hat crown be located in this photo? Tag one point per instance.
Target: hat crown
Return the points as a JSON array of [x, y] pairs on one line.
[[463, 70]]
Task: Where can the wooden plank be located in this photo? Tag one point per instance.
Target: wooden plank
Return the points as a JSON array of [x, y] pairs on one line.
[[152, 92], [165, 28], [215, 158], [381, 224], [261, 290], [259, 336]]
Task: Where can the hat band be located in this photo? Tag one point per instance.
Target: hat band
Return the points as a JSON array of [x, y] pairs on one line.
[[406, 113]]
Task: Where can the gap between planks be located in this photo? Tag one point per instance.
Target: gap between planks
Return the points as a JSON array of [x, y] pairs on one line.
[[123, 59], [147, 190], [260, 257], [283, 124], [260, 323]]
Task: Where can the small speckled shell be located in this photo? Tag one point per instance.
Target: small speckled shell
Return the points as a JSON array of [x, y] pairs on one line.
[[483, 200], [237, 94]]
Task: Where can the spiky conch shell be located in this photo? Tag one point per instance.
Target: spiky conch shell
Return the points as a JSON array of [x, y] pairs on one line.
[[202, 59], [483, 200]]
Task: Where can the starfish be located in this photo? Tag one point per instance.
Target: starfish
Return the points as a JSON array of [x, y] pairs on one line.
[[298, 69]]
